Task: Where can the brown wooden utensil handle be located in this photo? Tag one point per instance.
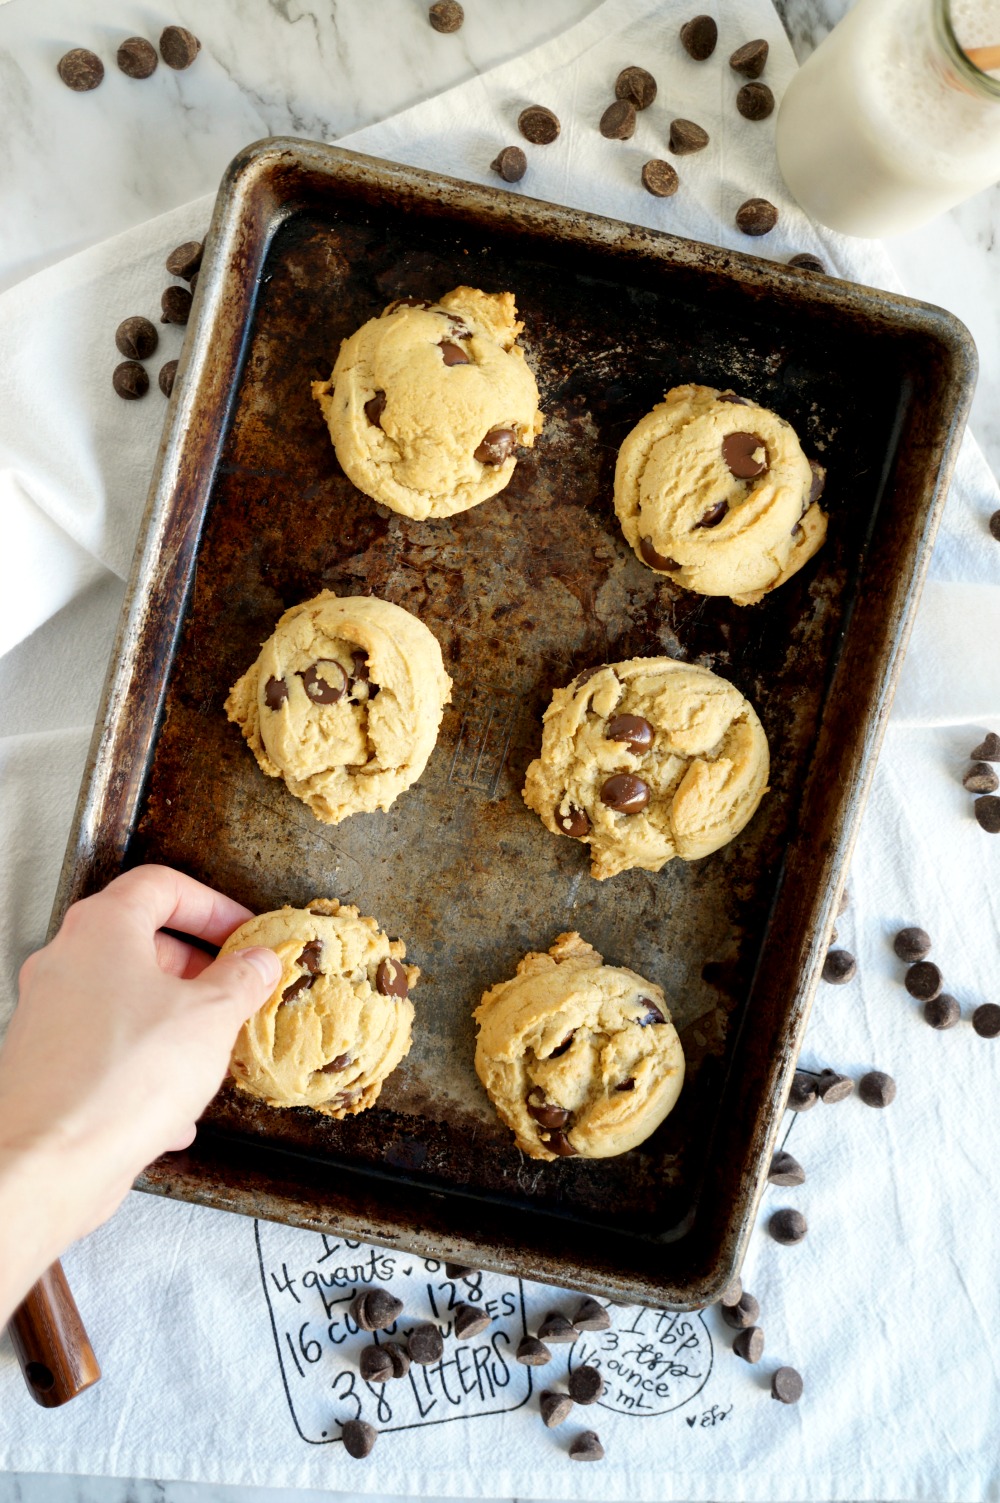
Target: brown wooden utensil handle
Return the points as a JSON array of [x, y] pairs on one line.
[[50, 1341]]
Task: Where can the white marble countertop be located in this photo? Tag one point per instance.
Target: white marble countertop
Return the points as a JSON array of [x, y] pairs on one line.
[[76, 169]]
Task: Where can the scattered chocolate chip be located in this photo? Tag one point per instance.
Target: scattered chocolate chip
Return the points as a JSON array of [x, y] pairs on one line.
[[178, 46], [699, 37], [390, 979], [80, 70], [803, 1094], [877, 1088], [359, 1438], [511, 163], [744, 1314], [470, 1320], [496, 447], [637, 86], [338, 1063], [988, 749], [591, 1316], [686, 137], [175, 304], [574, 822], [558, 1143], [732, 1294], [446, 16], [981, 778], [755, 101], [839, 967], [746, 457], [532, 1353], [912, 944], [359, 668], [986, 1020], [297, 987], [555, 1407], [651, 1015], [657, 560], [560, 1049], [375, 1364], [817, 485], [275, 693], [714, 515], [137, 58], [987, 812], [556, 1328], [587, 1447], [618, 121], [326, 688], [942, 1012], [806, 262], [923, 981], [185, 260], [585, 1385], [400, 1359], [660, 179], [453, 354], [129, 380], [425, 1344], [375, 1309], [750, 1344], [459, 1270], [374, 409], [167, 377], [786, 1385], [750, 58], [309, 958], [585, 677], [756, 217], [626, 1085], [546, 1113], [631, 728], [136, 338], [538, 125], [728, 396], [626, 794], [833, 1087], [785, 1170], [994, 525]]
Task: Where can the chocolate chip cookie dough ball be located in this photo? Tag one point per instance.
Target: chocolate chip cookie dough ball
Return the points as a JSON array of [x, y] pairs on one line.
[[578, 1057], [716, 493], [646, 760], [338, 1022], [427, 404], [344, 703]]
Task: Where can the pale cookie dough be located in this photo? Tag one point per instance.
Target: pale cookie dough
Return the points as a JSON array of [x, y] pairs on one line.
[[344, 702], [646, 760], [427, 403], [338, 1022], [716, 493], [578, 1057]]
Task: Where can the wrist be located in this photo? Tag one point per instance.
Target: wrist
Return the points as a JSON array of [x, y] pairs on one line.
[[37, 1223]]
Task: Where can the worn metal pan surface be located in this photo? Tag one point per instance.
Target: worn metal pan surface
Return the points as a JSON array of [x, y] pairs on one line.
[[249, 513]]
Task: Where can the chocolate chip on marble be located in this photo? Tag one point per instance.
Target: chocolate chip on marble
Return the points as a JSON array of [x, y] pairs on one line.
[[750, 1344], [631, 728], [637, 85], [496, 447], [686, 137], [732, 1294], [511, 163], [587, 1447], [923, 981], [618, 121], [375, 1309], [585, 1385], [554, 1407], [986, 1020], [376, 1364], [591, 1316], [750, 59], [297, 987], [324, 688], [532, 1353], [981, 778], [275, 693], [625, 793], [714, 515], [942, 1012], [574, 822], [745, 455], [184, 260], [744, 1314], [755, 101], [832, 1087], [757, 216], [817, 484], [178, 47], [538, 125], [787, 1226], [453, 354], [557, 1329], [987, 811], [130, 380], [558, 1143], [470, 1320], [167, 377], [839, 967], [786, 1385], [359, 1438], [803, 1094], [806, 262], [137, 58], [425, 1344], [659, 178], [912, 944], [657, 560], [136, 337], [876, 1088], [651, 1015], [699, 37], [338, 1063], [446, 16], [785, 1170], [80, 70], [374, 408], [546, 1113], [988, 749], [390, 979], [175, 305]]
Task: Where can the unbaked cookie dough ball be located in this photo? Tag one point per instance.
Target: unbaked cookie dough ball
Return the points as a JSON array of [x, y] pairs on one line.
[[646, 760], [428, 403], [338, 1022], [344, 703], [578, 1057], [716, 492]]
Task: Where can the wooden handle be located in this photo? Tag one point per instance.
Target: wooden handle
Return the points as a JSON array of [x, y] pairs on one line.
[[53, 1348], [986, 59]]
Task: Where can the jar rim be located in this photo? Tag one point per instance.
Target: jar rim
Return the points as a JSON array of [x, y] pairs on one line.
[[968, 76]]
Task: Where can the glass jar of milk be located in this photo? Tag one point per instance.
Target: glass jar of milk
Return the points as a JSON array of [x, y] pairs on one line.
[[890, 123]]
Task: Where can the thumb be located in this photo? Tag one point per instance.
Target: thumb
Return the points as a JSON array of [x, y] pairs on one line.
[[245, 979]]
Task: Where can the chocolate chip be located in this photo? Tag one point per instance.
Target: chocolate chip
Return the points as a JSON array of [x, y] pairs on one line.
[[732, 1294], [574, 822], [912, 944], [297, 987], [942, 1012], [407, 302], [750, 58], [184, 260], [585, 1385], [538, 125], [686, 137], [459, 1270], [359, 662], [657, 560], [637, 86], [994, 525], [981, 778], [374, 409], [714, 515], [309, 958], [803, 1095], [359, 1438], [757, 216], [651, 1015], [833, 1087], [591, 1316], [618, 121], [631, 728], [988, 749], [626, 1085], [555, 1407], [728, 396], [496, 447], [755, 102], [556, 1328], [785, 1170], [745, 455], [547, 1113], [425, 1344], [806, 262], [877, 1088], [178, 46], [275, 693], [817, 485], [699, 37], [167, 377], [375, 1309], [587, 1447], [319, 687], [560, 1049], [193, 282], [839, 967], [786, 1385], [511, 163], [660, 179], [744, 1314], [446, 15], [453, 354], [80, 70], [470, 1320], [137, 58], [986, 1020], [175, 305], [987, 812], [750, 1344], [787, 1227], [625, 793], [400, 1359], [558, 1143], [532, 1353], [129, 380], [375, 1364], [340, 1062], [390, 979], [923, 981]]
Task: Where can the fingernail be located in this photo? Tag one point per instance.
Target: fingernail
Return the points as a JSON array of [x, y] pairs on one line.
[[265, 962]]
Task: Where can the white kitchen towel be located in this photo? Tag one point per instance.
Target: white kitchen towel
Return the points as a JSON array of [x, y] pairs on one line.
[[226, 1348]]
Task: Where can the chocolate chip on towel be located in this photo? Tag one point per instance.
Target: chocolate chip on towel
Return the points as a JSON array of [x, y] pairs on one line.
[[470, 1320], [176, 305], [137, 58], [184, 260], [757, 216], [732, 1294], [80, 70], [750, 1344], [986, 1020], [806, 262], [988, 749], [375, 1309], [699, 37], [750, 58], [744, 1314], [136, 337], [995, 525], [587, 1447], [912, 944], [555, 1407], [591, 1316], [833, 1087], [585, 1385], [923, 981], [178, 46], [167, 376], [446, 16], [803, 1094], [877, 1088], [786, 1385], [359, 1438], [636, 85], [459, 1270], [129, 380], [981, 778], [618, 121], [755, 101], [785, 1170], [839, 967], [511, 163], [538, 125], [686, 137], [942, 1012], [556, 1328], [788, 1227], [375, 1364], [425, 1344], [987, 812], [659, 178], [532, 1352]]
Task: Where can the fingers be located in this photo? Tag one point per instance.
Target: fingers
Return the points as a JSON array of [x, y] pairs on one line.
[[244, 979], [176, 958], [168, 899]]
